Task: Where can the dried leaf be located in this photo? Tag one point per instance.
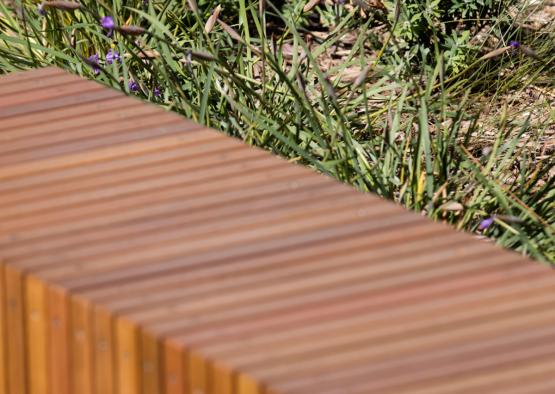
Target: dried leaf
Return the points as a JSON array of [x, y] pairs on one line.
[[149, 54], [366, 5], [362, 76], [212, 20], [203, 56], [495, 53], [229, 30], [233, 34], [376, 4], [131, 30], [193, 6], [452, 206], [199, 56], [61, 5], [310, 5], [288, 51]]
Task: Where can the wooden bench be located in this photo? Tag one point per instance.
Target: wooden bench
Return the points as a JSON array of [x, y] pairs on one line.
[[144, 254]]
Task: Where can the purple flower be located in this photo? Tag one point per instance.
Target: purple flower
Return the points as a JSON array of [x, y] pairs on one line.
[[145, 2], [157, 92], [514, 44], [484, 224], [41, 9], [133, 86], [93, 61], [113, 56], [107, 22]]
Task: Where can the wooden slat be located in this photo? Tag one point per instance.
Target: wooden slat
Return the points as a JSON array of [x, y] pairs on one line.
[[36, 75], [81, 346], [104, 352], [17, 370], [36, 334], [144, 254], [59, 345], [3, 337]]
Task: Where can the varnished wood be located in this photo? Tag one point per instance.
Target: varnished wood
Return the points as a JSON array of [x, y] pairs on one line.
[[145, 254]]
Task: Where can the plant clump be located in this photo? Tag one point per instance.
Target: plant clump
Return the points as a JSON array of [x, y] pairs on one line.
[[445, 107]]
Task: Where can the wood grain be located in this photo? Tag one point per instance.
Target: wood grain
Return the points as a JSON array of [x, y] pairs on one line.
[[142, 253]]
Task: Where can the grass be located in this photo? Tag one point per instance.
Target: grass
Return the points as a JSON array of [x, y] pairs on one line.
[[458, 144]]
